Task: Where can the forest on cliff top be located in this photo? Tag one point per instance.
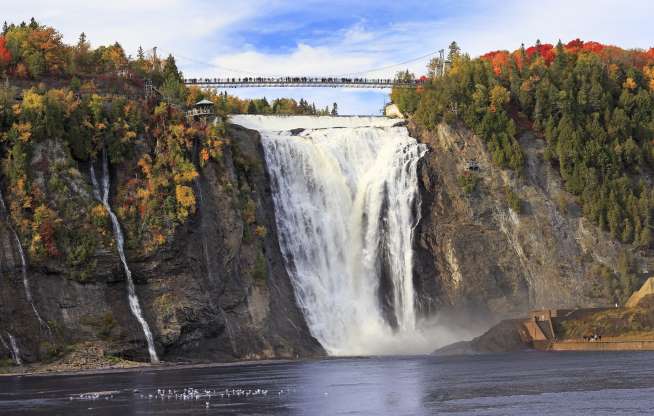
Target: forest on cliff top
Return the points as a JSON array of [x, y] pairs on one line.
[[62, 105], [592, 104]]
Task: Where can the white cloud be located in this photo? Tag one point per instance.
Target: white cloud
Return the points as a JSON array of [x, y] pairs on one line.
[[485, 26], [304, 60], [172, 25]]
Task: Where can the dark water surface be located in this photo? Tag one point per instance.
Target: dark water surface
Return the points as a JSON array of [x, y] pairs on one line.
[[529, 383]]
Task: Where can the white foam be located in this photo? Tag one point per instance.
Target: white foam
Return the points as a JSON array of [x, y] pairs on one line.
[[281, 123], [344, 205]]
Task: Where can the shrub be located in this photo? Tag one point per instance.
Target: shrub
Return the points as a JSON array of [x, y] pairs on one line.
[[513, 200], [469, 182], [260, 268]]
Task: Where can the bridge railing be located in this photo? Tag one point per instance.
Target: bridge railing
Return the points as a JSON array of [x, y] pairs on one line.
[[302, 81], [199, 112]]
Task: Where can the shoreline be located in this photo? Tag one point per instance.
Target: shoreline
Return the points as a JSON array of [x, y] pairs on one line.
[[166, 366], [145, 367]]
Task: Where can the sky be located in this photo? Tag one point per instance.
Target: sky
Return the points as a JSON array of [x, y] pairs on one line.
[[331, 38]]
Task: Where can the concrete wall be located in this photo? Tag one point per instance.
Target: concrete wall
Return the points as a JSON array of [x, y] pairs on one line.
[[602, 346]]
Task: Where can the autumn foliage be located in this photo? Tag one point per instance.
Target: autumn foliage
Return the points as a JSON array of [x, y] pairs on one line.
[[500, 59], [545, 50], [591, 103], [5, 55]]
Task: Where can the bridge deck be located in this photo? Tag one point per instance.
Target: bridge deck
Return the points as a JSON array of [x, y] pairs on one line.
[[299, 82]]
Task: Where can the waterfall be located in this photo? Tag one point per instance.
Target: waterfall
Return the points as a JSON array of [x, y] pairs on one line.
[[345, 202], [101, 192], [23, 266], [12, 348]]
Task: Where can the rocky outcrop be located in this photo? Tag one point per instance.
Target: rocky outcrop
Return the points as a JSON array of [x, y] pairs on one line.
[[217, 290], [503, 337], [478, 258], [644, 294]]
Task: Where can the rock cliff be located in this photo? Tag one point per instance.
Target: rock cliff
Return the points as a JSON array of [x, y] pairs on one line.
[[490, 244], [217, 290], [493, 243]]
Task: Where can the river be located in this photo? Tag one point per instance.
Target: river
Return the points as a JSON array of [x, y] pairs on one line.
[[526, 383]]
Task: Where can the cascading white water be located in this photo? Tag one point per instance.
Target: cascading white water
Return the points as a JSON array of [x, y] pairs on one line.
[[345, 200], [13, 348], [23, 266], [101, 192], [6, 346]]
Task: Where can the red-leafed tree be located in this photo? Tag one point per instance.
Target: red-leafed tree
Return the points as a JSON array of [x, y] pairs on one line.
[[574, 45], [578, 45], [5, 55], [593, 47], [545, 50]]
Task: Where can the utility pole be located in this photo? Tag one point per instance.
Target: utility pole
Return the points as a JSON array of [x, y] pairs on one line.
[[441, 58]]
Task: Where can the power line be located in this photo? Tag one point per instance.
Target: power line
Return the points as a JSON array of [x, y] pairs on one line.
[[269, 75], [186, 58], [390, 66]]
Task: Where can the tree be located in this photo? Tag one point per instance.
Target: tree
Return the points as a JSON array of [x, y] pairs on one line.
[[114, 57], [82, 55], [252, 108], [264, 106], [82, 43], [5, 55], [170, 69], [499, 96], [454, 51], [334, 109]]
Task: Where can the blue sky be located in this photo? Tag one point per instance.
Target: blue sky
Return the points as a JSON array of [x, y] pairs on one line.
[[332, 37]]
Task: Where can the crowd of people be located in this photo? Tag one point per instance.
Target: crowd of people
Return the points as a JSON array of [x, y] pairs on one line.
[[307, 80], [591, 338]]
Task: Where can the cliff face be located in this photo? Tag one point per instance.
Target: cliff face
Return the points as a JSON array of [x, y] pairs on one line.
[[476, 257], [217, 290]]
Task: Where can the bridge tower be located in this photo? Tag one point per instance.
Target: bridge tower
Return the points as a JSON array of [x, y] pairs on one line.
[[148, 88], [441, 62]]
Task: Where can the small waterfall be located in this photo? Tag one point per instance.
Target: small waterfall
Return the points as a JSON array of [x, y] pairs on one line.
[[23, 266], [6, 346], [345, 205], [101, 192], [12, 347]]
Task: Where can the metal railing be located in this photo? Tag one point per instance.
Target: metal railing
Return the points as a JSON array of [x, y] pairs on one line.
[[328, 82], [199, 112]]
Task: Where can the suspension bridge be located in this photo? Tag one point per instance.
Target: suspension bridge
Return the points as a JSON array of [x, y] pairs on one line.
[[356, 80], [325, 82]]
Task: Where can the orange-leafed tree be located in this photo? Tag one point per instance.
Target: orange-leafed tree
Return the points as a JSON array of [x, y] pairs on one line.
[[498, 60], [649, 55], [46, 44]]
